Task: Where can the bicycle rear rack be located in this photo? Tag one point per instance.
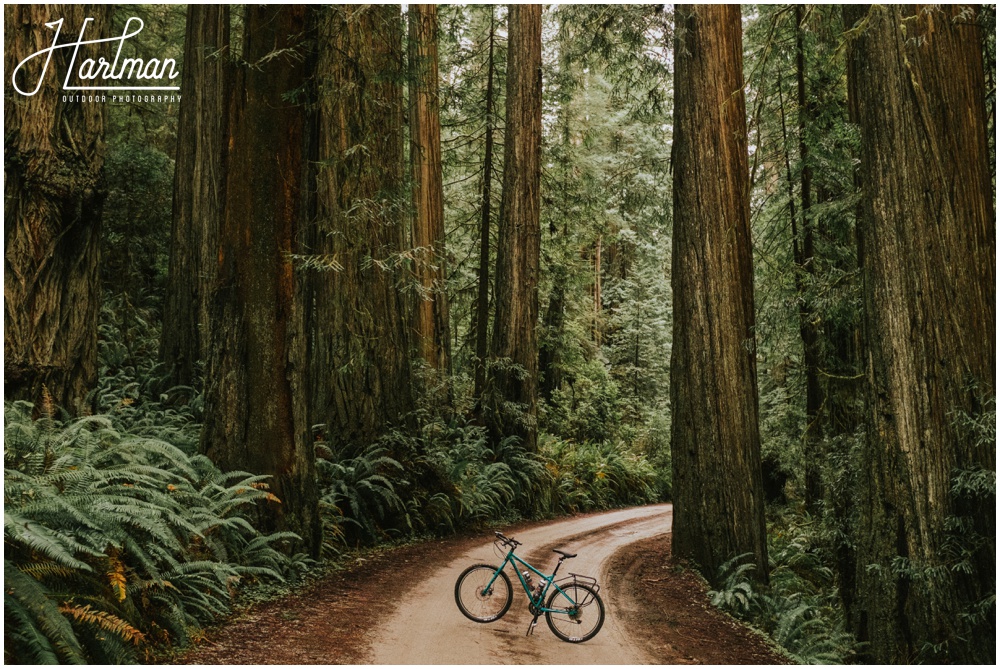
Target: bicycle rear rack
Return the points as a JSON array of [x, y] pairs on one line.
[[573, 579]]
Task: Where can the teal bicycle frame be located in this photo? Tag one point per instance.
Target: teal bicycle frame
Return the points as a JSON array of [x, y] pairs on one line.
[[549, 581]]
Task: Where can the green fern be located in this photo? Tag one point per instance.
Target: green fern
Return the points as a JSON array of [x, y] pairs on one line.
[[112, 538]]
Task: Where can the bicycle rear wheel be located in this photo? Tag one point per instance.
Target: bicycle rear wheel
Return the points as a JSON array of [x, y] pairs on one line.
[[578, 613], [476, 601]]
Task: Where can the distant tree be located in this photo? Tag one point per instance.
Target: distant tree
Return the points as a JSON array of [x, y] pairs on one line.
[[927, 541], [804, 254], [431, 313], [255, 397], [482, 306], [53, 198], [198, 189], [715, 443], [514, 351]]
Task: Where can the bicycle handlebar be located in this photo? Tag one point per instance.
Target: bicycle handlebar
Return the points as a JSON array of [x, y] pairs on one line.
[[510, 541]]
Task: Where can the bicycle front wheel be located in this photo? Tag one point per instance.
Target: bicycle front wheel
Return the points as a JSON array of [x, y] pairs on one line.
[[577, 613], [478, 602]]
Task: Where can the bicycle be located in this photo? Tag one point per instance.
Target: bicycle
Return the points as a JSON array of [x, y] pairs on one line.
[[574, 611]]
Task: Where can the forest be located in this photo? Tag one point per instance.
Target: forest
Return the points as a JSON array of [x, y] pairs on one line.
[[374, 274]]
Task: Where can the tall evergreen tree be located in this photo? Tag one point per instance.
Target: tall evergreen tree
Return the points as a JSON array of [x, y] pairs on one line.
[[715, 443], [255, 398], [198, 184], [514, 350], [53, 197], [360, 381], [431, 314], [482, 308], [926, 545]]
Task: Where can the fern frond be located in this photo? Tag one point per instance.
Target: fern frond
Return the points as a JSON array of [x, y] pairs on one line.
[[43, 614], [103, 620]]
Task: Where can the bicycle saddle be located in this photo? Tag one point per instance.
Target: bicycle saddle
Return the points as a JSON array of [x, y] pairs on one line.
[[564, 553]]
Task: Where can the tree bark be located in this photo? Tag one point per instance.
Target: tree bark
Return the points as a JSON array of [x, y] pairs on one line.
[[255, 411], [360, 344], [483, 289], [431, 315], [53, 197], [926, 547], [198, 191], [718, 489], [514, 351]]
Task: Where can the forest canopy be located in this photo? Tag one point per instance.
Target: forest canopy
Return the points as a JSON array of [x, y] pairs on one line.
[[377, 273]]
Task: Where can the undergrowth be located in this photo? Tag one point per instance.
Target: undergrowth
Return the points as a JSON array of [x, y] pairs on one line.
[[800, 609], [447, 475], [116, 541]]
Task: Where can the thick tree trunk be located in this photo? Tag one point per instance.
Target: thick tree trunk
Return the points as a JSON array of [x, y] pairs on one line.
[[431, 315], [255, 413], [53, 197], [928, 267], [514, 351], [359, 350], [718, 490], [482, 315], [198, 191]]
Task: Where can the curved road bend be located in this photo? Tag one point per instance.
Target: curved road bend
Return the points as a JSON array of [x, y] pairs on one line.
[[427, 627]]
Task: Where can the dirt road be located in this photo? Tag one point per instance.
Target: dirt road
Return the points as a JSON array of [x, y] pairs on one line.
[[397, 606], [426, 627]]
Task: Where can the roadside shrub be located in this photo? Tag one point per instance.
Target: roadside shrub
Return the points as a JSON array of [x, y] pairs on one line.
[[592, 476], [800, 609], [115, 542]]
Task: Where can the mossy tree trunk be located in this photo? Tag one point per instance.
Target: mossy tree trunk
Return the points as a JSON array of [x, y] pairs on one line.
[[715, 442], [926, 545], [255, 410], [53, 199]]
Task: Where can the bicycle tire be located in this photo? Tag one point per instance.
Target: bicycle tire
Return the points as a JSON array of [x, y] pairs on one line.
[[479, 606], [590, 616]]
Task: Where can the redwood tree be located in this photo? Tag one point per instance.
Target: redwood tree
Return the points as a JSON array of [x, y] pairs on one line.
[[53, 199], [255, 411], [359, 337], [198, 183], [431, 314], [927, 540], [481, 316], [514, 351], [715, 443]]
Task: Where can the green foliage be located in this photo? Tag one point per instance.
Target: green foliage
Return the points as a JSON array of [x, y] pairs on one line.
[[588, 476], [357, 491], [467, 482], [589, 408], [799, 609], [115, 541]]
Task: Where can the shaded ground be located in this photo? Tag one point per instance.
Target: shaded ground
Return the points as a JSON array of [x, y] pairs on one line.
[[669, 607], [331, 620]]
